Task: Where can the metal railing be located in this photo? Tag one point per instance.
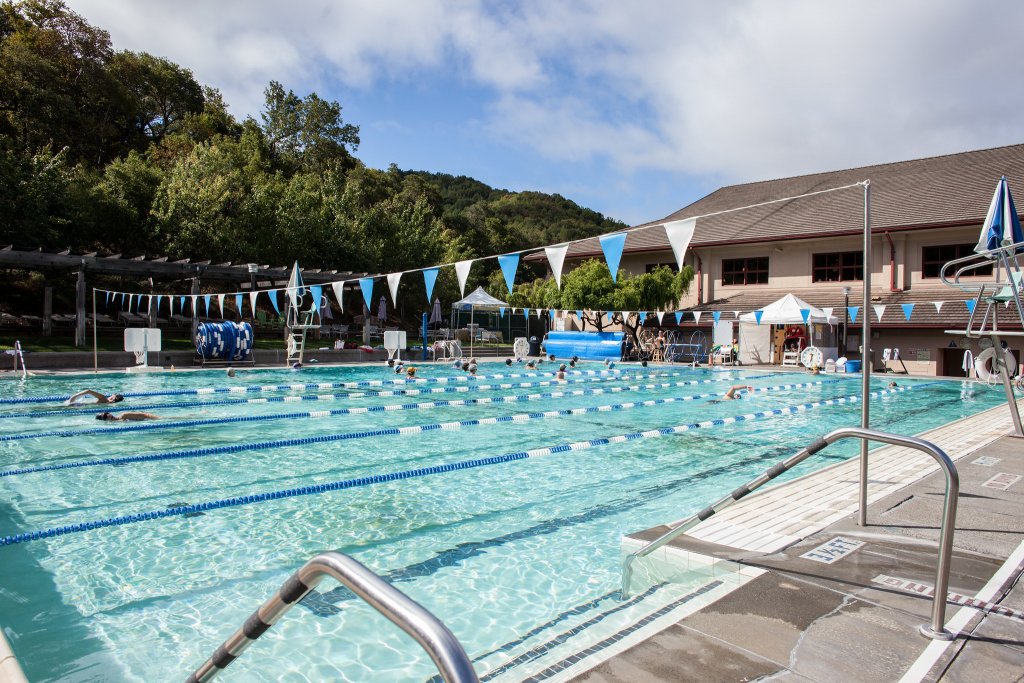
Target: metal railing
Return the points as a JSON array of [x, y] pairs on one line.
[[936, 629], [435, 638]]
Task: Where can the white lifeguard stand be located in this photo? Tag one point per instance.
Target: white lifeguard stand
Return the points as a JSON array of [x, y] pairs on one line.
[[299, 317], [141, 341]]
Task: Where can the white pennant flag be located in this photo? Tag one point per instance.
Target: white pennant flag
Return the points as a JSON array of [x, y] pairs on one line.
[[556, 257], [195, 312], [938, 306], [339, 294], [661, 314], [462, 271], [252, 302], [679, 235], [393, 280], [696, 316], [827, 311], [220, 302], [879, 310], [737, 314]]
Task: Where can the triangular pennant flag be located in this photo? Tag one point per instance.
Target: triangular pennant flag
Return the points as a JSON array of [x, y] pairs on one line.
[[643, 317], [612, 246], [462, 271], [238, 304], [551, 313], [207, 298], [181, 302], [827, 311], [879, 310], [556, 257], [273, 300], [907, 310], [429, 278], [805, 313], [970, 305], [252, 302], [501, 311], [736, 314], [220, 302], [661, 317], [107, 300], [194, 297], [853, 310], [366, 284], [526, 312], [696, 316], [318, 293], [579, 314], [509, 263], [938, 306], [611, 315], [170, 300], [717, 315], [393, 280], [679, 317], [757, 316], [149, 304], [339, 294], [159, 300], [679, 235]]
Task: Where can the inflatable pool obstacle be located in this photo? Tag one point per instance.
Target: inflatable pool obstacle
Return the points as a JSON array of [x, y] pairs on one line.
[[226, 342]]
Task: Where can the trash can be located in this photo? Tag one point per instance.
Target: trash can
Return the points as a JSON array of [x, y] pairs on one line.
[[534, 346], [853, 366]]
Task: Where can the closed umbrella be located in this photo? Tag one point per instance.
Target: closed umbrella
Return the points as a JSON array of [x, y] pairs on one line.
[[1002, 226], [382, 310], [435, 314]]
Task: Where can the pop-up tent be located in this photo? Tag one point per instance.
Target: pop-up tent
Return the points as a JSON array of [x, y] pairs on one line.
[[478, 298], [756, 343]]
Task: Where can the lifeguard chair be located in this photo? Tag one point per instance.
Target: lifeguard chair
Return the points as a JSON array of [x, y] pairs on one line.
[[301, 315]]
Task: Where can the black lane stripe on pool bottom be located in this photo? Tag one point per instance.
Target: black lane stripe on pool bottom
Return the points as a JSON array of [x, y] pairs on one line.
[[318, 489]]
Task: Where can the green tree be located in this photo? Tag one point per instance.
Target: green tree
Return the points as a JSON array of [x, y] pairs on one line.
[[306, 133], [161, 93]]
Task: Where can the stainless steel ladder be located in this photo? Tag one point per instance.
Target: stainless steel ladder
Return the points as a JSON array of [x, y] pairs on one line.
[[440, 643], [936, 629]]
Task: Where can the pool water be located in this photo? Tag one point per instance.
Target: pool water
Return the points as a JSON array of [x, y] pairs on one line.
[[519, 558]]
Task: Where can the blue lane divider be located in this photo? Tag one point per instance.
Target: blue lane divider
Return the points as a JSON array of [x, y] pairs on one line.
[[462, 388], [163, 425], [366, 434], [317, 489], [252, 388]]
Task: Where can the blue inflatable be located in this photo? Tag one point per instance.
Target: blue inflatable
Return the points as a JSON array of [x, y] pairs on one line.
[[586, 345], [226, 341]]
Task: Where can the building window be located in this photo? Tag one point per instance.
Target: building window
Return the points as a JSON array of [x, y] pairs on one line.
[[838, 267], [651, 267], [933, 258], [745, 271]]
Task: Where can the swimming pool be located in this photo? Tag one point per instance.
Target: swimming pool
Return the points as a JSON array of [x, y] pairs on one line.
[[130, 551]]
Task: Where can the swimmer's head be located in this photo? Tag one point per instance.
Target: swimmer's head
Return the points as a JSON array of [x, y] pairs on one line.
[[411, 372], [390, 362], [551, 356], [116, 398], [893, 384], [508, 361], [643, 363], [572, 363], [611, 364], [561, 368], [230, 372], [296, 365], [105, 416]]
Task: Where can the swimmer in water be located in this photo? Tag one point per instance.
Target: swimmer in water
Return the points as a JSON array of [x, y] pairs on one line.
[[230, 372], [734, 392], [531, 365], [411, 372], [508, 361], [76, 399], [127, 417], [561, 372]]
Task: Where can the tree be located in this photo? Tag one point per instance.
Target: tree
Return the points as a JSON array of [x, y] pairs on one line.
[[161, 93], [306, 133]]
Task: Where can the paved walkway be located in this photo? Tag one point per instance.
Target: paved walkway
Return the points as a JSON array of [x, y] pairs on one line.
[[857, 619]]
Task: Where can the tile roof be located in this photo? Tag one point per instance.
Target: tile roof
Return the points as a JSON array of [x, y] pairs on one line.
[[938, 191]]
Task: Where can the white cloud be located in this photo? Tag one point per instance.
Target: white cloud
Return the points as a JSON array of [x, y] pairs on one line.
[[739, 89]]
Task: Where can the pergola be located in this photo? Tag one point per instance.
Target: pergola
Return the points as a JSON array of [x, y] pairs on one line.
[[244, 275]]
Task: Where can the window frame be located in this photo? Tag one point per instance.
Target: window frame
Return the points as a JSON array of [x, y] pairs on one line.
[[959, 250], [746, 271], [842, 267]]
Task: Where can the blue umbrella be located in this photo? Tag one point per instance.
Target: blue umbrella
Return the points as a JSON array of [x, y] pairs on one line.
[[1002, 225]]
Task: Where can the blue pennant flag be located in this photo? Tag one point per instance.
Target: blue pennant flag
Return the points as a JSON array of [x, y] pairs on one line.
[[429, 278], [273, 300], [159, 300], [612, 246], [108, 299], [181, 304], [907, 310], [207, 298], [318, 292], [805, 313], [853, 310], [679, 317], [551, 313], [238, 304], [643, 317], [526, 312], [579, 315], [717, 315], [509, 263], [970, 305], [757, 316], [611, 314], [501, 311], [366, 284]]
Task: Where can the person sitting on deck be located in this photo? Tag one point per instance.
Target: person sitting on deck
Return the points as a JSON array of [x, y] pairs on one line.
[[100, 398], [127, 417]]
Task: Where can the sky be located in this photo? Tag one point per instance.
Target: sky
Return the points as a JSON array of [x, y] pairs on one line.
[[634, 109]]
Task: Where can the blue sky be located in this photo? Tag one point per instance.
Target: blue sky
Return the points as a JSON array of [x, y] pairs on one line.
[[632, 109]]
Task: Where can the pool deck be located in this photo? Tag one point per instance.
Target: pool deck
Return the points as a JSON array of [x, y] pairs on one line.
[[856, 619]]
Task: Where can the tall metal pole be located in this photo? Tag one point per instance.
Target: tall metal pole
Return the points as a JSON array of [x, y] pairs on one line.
[[95, 353], [865, 365]]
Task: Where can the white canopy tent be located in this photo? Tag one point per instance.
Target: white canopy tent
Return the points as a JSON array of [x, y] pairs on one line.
[[478, 298], [756, 344]]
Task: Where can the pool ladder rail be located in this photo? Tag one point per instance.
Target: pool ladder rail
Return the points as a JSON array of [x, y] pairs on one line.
[[440, 643], [936, 629]]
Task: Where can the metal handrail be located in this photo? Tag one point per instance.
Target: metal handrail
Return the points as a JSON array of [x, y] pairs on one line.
[[936, 629], [401, 610], [973, 262]]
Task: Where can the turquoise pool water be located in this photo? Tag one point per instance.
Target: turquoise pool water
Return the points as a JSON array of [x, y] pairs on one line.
[[513, 556]]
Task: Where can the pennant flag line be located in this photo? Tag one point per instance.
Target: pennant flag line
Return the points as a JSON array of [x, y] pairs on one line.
[[509, 263], [556, 257], [827, 311], [717, 315], [757, 316], [462, 272], [805, 313], [970, 303], [679, 235], [273, 300], [393, 280], [429, 278], [366, 285], [696, 316], [853, 310], [679, 317], [318, 293], [339, 294], [220, 302], [252, 302], [907, 310], [938, 306], [238, 304], [612, 246]]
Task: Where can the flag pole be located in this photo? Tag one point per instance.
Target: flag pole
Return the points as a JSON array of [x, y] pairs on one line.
[[865, 366], [95, 352]]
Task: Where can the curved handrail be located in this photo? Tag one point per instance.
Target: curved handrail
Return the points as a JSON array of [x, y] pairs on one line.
[[401, 610], [936, 629]]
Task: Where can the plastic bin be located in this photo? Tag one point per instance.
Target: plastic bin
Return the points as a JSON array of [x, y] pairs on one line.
[[534, 346], [853, 366]]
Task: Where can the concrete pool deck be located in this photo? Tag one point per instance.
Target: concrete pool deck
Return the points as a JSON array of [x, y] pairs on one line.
[[856, 619]]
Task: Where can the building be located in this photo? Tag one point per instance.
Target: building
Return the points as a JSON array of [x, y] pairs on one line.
[[923, 213]]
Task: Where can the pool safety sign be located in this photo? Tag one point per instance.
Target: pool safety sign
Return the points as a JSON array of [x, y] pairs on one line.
[[834, 550], [927, 590], [1002, 481]]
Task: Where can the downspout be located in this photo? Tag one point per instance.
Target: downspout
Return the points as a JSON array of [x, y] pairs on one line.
[[892, 264], [700, 279]]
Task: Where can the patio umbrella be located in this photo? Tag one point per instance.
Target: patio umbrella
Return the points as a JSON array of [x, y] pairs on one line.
[[382, 310], [435, 313], [1002, 225]]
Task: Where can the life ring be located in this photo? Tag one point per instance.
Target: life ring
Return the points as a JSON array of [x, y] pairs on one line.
[[811, 357], [987, 358]]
